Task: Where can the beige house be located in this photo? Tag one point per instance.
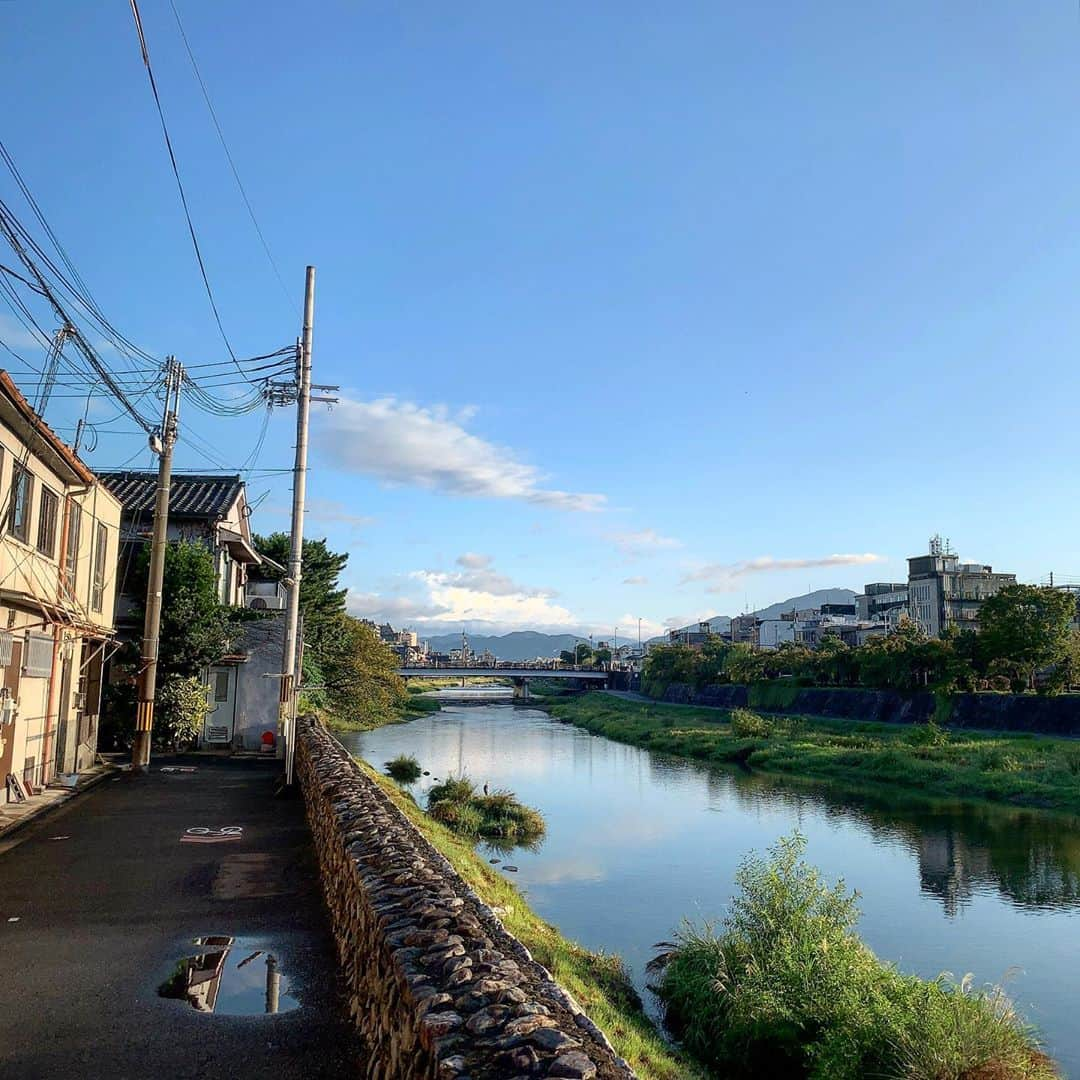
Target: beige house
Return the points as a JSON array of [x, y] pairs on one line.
[[59, 539]]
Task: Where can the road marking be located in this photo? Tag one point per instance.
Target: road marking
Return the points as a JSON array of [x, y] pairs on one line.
[[13, 918], [202, 835], [59, 837]]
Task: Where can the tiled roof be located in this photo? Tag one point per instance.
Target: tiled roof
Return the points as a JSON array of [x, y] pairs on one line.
[[189, 495]]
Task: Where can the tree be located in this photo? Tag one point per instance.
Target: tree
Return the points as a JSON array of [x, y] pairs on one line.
[[602, 656], [567, 657], [583, 654], [196, 629], [361, 677], [1024, 629]]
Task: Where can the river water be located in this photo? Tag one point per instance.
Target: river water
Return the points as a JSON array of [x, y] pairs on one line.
[[636, 841]]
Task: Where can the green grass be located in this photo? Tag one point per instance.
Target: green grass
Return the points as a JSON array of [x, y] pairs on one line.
[[405, 769], [597, 981], [786, 988], [498, 816], [1015, 770]]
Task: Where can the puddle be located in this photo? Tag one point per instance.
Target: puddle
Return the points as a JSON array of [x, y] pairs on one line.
[[231, 977]]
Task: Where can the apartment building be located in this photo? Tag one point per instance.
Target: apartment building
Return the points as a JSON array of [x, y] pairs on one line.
[[59, 538], [944, 592]]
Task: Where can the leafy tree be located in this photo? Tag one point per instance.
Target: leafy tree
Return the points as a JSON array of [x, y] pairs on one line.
[[667, 664], [180, 710], [322, 597], [602, 656], [196, 629], [362, 684], [583, 654], [1024, 629], [567, 657]]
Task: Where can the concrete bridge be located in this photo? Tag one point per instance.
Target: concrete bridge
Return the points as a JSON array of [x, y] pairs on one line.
[[520, 676]]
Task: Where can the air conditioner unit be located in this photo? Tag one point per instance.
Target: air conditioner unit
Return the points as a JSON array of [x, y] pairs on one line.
[[267, 603]]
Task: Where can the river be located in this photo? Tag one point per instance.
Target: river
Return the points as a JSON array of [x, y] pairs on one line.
[[636, 841]]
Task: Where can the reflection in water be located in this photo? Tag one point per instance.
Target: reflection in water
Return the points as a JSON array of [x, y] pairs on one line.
[[638, 841], [211, 982]]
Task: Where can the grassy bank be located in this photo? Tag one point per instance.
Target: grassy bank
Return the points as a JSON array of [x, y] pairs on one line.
[[1018, 770], [411, 707], [597, 981]]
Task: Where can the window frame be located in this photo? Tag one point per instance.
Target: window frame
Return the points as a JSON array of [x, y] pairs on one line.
[[97, 584], [19, 474], [71, 550], [46, 530]]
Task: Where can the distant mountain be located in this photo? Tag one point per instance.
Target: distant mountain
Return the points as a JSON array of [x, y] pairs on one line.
[[520, 645], [721, 623]]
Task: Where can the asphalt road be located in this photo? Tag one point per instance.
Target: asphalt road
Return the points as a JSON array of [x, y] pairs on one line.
[[106, 901]]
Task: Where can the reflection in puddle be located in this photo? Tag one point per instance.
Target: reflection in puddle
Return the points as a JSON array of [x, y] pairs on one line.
[[231, 978]]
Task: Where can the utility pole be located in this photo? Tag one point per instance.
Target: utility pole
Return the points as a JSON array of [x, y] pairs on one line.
[[287, 704], [163, 444]]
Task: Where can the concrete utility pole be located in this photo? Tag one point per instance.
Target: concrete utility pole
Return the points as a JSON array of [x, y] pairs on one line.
[[296, 549], [163, 444]]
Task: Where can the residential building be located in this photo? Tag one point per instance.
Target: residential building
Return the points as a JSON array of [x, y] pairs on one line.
[[210, 510], [944, 592], [772, 632], [881, 597], [59, 538]]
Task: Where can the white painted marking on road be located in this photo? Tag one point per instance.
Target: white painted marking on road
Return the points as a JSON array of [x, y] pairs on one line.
[[199, 834], [59, 837], [13, 918]]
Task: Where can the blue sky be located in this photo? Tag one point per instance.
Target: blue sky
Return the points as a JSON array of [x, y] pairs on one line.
[[638, 310]]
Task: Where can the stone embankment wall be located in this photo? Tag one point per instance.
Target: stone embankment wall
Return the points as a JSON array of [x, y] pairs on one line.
[[993, 712], [437, 986]]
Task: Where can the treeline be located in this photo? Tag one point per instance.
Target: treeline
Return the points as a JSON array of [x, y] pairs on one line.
[[1025, 642]]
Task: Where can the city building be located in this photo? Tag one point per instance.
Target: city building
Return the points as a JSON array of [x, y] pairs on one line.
[[59, 537], [944, 592], [880, 598], [744, 629]]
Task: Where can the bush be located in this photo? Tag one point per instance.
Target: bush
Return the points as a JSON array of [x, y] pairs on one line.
[[405, 769], [750, 725], [788, 989], [179, 711], [926, 735]]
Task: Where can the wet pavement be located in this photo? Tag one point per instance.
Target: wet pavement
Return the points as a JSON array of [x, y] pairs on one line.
[[201, 882]]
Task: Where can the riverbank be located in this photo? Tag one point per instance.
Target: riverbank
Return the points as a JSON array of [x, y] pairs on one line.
[[1017, 770], [414, 705], [597, 980]]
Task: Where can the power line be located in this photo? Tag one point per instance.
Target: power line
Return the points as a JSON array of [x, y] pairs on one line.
[[232, 164], [179, 182]]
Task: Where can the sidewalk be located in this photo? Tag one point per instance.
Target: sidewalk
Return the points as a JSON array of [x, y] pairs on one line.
[[101, 900], [14, 816]]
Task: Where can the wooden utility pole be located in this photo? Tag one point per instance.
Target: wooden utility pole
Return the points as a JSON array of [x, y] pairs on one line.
[[163, 444], [287, 706]]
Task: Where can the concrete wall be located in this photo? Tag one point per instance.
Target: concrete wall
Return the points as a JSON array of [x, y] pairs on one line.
[[993, 712], [263, 643], [436, 985]]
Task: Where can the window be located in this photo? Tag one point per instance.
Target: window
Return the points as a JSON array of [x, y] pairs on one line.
[[71, 558], [101, 544], [22, 485], [221, 686], [46, 534], [39, 654]]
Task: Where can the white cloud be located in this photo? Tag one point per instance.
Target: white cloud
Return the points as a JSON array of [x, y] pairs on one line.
[[642, 542], [724, 577], [477, 595], [636, 581], [403, 443], [15, 335]]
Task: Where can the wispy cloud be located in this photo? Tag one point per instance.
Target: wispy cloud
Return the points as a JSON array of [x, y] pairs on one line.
[[723, 577], [642, 542], [402, 443], [636, 581]]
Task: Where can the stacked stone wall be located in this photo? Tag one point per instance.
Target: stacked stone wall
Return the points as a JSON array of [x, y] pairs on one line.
[[437, 986]]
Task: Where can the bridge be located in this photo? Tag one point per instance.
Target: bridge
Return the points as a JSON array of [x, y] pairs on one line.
[[519, 675]]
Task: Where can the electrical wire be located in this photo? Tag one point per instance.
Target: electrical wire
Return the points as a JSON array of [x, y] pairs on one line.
[[290, 300], [179, 182]]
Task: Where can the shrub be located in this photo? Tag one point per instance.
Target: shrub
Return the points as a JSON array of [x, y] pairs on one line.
[[786, 988], [405, 769], [749, 725], [180, 709], [929, 734]]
